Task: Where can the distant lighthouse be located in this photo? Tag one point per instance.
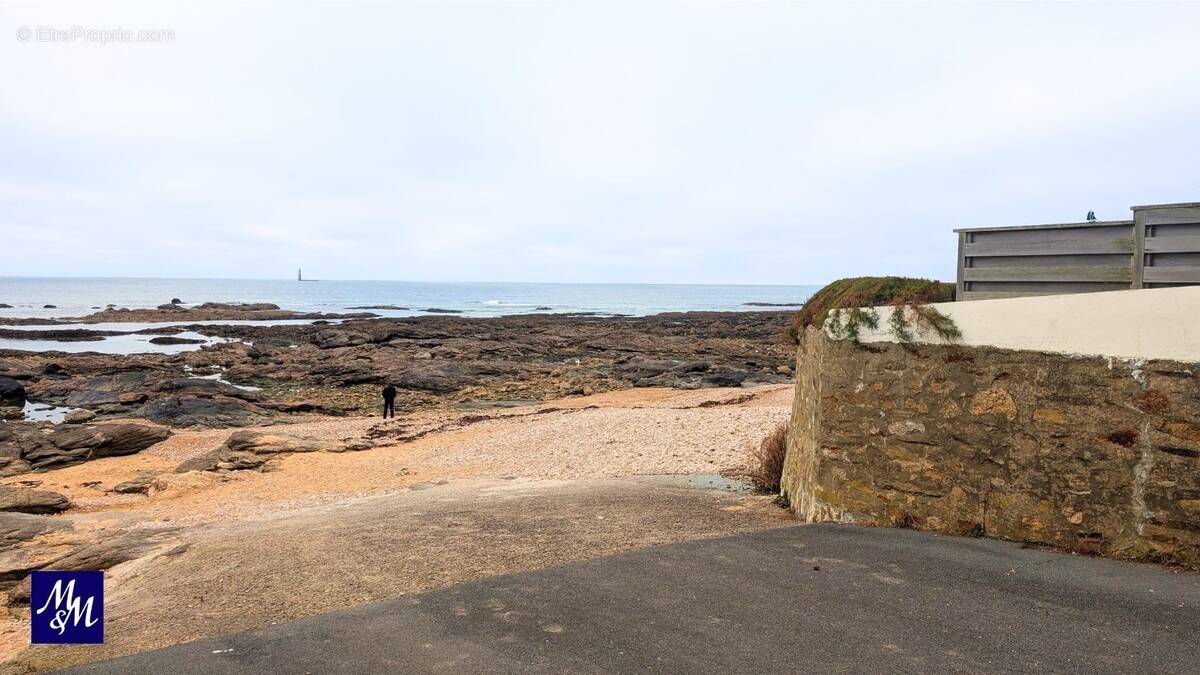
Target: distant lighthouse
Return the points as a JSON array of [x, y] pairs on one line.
[[299, 274]]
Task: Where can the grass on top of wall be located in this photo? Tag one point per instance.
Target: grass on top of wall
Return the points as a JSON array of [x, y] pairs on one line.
[[868, 292]]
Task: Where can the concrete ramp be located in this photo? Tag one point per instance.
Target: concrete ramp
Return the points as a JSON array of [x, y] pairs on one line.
[[815, 598]]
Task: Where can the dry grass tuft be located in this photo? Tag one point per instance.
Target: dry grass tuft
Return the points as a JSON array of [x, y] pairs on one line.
[[766, 461]]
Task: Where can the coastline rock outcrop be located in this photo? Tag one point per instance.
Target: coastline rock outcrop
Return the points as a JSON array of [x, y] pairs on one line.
[[12, 393], [171, 340], [27, 447], [202, 411], [253, 449], [90, 442], [442, 377], [157, 395], [431, 359], [328, 339], [18, 499]]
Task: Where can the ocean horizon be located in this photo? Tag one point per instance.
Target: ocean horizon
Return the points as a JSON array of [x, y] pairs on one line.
[[78, 296]]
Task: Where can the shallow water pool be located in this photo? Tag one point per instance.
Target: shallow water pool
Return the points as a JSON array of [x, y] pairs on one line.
[[113, 344], [44, 412]]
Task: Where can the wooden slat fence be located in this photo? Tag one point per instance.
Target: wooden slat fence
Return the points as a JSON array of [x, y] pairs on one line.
[[1159, 247]]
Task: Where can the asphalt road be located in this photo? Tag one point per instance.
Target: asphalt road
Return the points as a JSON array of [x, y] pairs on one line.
[[815, 598]]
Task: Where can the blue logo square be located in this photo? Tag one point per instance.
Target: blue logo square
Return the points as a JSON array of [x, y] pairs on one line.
[[67, 608]]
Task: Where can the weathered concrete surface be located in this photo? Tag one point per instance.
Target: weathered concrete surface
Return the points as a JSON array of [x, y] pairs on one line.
[[1090, 454], [823, 598]]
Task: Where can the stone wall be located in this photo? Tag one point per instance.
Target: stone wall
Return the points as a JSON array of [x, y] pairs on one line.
[[1091, 454]]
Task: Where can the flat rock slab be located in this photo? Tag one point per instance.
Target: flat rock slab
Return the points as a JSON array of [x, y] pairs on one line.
[[26, 500], [805, 598]]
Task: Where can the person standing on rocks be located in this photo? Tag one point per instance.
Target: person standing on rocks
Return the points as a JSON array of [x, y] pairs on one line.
[[389, 401]]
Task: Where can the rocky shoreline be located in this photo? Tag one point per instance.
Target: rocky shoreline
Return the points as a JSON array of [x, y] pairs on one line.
[[157, 451], [267, 373]]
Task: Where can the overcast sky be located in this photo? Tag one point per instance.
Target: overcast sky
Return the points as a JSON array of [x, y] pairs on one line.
[[725, 143]]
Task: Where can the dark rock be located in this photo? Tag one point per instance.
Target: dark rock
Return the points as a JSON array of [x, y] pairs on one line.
[[17, 439], [188, 411], [239, 306], [391, 307], [108, 440], [170, 340], [57, 335], [106, 388], [170, 307], [345, 374], [205, 462], [434, 377], [123, 392], [4, 306], [26, 500], [439, 310], [306, 407], [241, 461], [11, 392], [725, 379], [52, 369], [71, 445], [330, 338], [196, 386], [640, 370], [261, 351], [693, 367], [176, 301], [49, 306]]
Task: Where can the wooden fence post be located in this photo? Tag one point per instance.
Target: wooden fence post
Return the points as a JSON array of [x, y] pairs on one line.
[[1139, 248]]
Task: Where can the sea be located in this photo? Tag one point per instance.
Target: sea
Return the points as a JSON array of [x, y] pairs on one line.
[[72, 297]]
